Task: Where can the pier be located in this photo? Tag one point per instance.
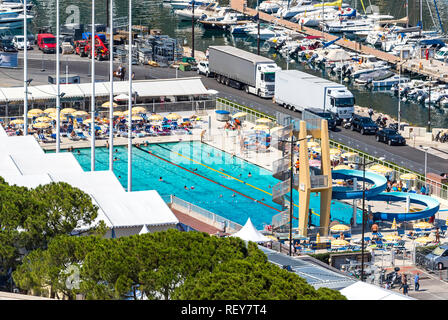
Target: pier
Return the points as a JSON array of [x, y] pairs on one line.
[[437, 70]]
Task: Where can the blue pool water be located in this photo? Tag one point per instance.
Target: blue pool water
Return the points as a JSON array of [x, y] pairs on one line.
[[219, 182]]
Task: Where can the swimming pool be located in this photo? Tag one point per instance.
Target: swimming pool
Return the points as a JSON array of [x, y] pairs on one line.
[[207, 177]]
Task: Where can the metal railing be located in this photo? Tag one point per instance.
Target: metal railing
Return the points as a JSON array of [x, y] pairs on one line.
[[320, 181], [252, 115]]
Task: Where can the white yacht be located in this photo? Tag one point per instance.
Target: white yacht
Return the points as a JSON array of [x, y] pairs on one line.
[[13, 20]]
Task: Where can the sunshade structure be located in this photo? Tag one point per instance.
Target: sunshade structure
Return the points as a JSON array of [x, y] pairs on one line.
[[313, 144], [80, 113], [43, 119], [173, 116], [17, 121], [67, 111], [339, 228], [155, 117], [261, 127], [42, 125], [138, 110], [107, 104], [422, 225], [89, 120], [34, 113], [339, 243], [136, 118], [121, 97], [50, 110], [239, 115], [249, 233], [263, 120], [118, 114], [408, 176], [276, 129], [394, 224], [342, 167], [335, 152], [392, 237], [423, 240]]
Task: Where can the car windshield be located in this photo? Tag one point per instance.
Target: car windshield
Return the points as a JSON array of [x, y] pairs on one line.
[[367, 121], [438, 251], [49, 40], [325, 115], [345, 102], [269, 76]]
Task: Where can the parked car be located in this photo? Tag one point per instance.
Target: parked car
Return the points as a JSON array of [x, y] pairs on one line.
[[363, 124], [390, 136], [330, 117], [203, 68], [46, 42], [438, 258], [6, 45], [19, 42]]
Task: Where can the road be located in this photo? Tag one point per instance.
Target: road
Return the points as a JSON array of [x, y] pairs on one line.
[[404, 156]]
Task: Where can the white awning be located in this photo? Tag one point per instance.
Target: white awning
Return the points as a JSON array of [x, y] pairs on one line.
[[250, 233], [143, 88]]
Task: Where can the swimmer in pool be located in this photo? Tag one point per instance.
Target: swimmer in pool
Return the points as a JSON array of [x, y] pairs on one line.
[[233, 195], [185, 187], [249, 175], [79, 152], [220, 195], [192, 187], [116, 159], [160, 179]]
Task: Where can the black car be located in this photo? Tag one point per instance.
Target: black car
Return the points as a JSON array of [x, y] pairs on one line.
[[6, 45], [363, 124], [390, 136], [330, 117]]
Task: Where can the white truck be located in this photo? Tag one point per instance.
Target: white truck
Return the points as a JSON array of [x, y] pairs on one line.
[[298, 91], [243, 70]]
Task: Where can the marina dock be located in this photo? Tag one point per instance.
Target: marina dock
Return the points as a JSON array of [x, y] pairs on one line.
[[431, 68]]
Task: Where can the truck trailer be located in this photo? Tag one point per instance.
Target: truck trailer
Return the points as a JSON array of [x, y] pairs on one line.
[[243, 70], [298, 91]]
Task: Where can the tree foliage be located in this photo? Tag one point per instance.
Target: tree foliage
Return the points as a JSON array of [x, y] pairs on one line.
[[163, 265]]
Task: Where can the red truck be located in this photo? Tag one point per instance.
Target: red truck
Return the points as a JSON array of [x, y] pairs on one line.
[[83, 48], [46, 42]]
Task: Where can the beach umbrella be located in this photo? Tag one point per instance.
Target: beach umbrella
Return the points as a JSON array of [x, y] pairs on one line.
[[392, 237], [423, 240], [80, 113], [118, 114], [41, 125], [422, 225], [313, 144], [349, 154], [272, 237], [17, 121], [318, 238], [68, 111], [394, 224], [173, 116], [89, 120], [261, 127], [263, 120], [339, 228], [121, 97], [408, 176], [335, 152], [43, 119], [342, 167], [155, 117], [138, 110], [50, 110], [239, 114], [317, 149], [339, 243], [107, 104], [136, 118], [34, 113], [52, 115]]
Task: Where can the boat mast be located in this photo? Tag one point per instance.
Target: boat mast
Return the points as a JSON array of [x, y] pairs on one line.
[[92, 99], [111, 80]]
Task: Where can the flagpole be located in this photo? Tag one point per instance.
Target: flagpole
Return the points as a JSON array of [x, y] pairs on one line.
[[111, 94], [92, 100], [130, 101], [25, 72], [58, 84]]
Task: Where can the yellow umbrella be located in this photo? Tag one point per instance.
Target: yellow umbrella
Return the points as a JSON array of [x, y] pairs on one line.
[[263, 120], [339, 243], [423, 240], [272, 237], [173, 116], [34, 113], [107, 104], [317, 149], [50, 110], [43, 119], [155, 117], [118, 113], [41, 125], [313, 144], [348, 154], [335, 152], [318, 238], [136, 118], [422, 225], [239, 114], [261, 127], [52, 115], [342, 167], [394, 224], [17, 121], [68, 111], [138, 110], [339, 228], [89, 120], [392, 237], [80, 113], [408, 176]]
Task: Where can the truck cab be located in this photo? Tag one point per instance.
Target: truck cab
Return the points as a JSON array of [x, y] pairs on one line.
[[46, 42], [340, 102], [265, 80]]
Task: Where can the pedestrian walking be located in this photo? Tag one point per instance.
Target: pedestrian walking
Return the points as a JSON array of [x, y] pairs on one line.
[[417, 281], [370, 113]]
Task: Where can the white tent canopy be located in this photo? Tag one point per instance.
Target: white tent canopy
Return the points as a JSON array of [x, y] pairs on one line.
[[250, 233], [364, 291], [143, 88]]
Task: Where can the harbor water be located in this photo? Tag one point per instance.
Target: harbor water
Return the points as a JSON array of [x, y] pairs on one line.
[[154, 14]]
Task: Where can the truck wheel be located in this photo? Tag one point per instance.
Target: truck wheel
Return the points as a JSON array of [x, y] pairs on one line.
[[258, 93], [227, 81], [207, 74]]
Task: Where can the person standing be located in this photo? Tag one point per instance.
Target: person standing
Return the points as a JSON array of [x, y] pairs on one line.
[[417, 281]]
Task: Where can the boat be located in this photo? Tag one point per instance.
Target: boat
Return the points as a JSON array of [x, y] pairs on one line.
[[313, 19], [266, 32], [442, 54], [388, 81], [272, 6], [182, 4], [200, 12], [242, 29], [225, 22], [13, 20]]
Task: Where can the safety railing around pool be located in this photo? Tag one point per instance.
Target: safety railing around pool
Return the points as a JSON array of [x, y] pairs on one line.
[[204, 215]]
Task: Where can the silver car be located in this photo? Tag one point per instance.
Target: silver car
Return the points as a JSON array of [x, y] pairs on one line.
[[438, 258]]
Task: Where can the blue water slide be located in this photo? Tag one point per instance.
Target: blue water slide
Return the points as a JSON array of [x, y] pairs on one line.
[[378, 182], [432, 206]]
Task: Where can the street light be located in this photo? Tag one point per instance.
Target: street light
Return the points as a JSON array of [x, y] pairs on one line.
[[364, 164], [426, 161], [291, 186]]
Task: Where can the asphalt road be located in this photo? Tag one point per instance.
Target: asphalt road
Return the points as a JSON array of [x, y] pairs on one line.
[[404, 156]]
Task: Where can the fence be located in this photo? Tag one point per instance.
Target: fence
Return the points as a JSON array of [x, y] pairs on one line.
[[205, 215]]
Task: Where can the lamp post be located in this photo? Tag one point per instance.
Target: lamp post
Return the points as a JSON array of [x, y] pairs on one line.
[[25, 72], [58, 83], [111, 80], [291, 185], [258, 28], [426, 162], [429, 107], [130, 101], [192, 28], [92, 100], [364, 164]]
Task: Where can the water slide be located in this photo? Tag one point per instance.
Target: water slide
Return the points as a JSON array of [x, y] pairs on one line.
[[375, 193]]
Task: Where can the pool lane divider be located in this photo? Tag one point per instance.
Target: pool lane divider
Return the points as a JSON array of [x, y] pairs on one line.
[[244, 195]]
